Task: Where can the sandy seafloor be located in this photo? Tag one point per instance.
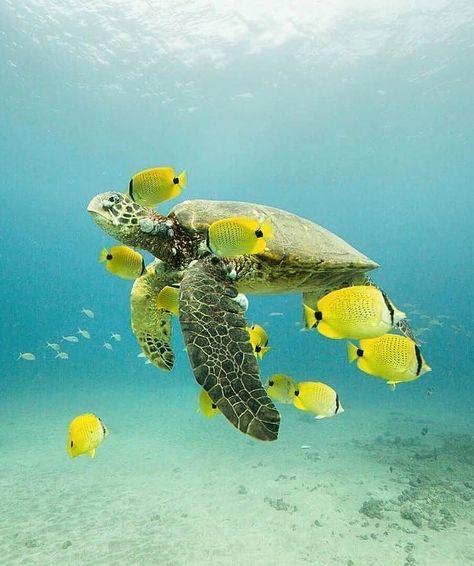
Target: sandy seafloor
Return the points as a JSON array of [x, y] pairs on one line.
[[171, 487]]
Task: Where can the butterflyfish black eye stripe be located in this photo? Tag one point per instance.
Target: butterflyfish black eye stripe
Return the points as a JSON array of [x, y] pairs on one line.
[[389, 306], [419, 360]]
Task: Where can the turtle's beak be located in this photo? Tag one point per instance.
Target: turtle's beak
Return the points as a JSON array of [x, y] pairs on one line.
[[96, 206]]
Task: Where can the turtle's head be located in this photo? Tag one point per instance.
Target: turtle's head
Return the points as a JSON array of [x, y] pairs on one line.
[[118, 215], [141, 227]]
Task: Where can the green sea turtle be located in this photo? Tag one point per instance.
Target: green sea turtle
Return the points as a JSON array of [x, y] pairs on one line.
[[302, 258]]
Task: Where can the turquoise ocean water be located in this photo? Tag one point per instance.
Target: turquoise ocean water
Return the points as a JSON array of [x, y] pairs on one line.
[[356, 115]]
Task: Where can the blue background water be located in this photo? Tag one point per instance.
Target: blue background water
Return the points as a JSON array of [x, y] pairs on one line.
[[356, 116]]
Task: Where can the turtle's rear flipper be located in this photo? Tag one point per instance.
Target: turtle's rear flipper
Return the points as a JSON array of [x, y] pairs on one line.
[[220, 352], [152, 326]]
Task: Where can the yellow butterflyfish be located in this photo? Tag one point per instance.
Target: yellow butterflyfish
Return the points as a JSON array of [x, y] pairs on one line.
[[318, 398], [258, 340], [168, 299], [395, 358], [86, 433], [206, 405], [123, 262], [152, 186], [353, 312], [281, 388], [239, 235]]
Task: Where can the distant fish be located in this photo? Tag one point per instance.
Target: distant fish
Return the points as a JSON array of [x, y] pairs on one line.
[[62, 355], [53, 346], [71, 338], [116, 336], [206, 405], [168, 299], [86, 433], [305, 447], [420, 331], [88, 313], [281, 387], [28, 356], [259, 340], [276, 314], [436, 322], [425, 316], [107, 346], [84, 333], [318, 398]]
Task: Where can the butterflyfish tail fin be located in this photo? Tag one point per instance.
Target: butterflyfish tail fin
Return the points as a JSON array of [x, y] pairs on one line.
[[267, 229], [103, 255], [183, 179], [351, 352], [309, 316], [264, 350]]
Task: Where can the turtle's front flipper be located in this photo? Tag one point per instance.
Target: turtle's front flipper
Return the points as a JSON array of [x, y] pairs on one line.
[[152, 326], [220, 352]]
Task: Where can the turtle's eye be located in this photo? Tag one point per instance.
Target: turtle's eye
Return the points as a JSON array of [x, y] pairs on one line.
[[111, 200]]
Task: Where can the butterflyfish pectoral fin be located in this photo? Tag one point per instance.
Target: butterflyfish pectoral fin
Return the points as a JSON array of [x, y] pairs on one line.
[[391, 385], [325, 329], [91, 453], [318, 417], [298, 404], [259, 246]]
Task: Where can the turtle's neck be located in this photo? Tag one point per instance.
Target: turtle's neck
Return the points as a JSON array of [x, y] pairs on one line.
[[167, 241]]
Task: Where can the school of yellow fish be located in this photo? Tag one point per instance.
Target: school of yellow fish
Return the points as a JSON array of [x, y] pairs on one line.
[[360, 312]]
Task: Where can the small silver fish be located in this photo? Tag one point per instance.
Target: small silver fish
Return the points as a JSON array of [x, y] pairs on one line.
[[116, 336], [71, 338], [88, 313], [53, 346], [84, 333], [108, 346], [62, 355], [28, 356]]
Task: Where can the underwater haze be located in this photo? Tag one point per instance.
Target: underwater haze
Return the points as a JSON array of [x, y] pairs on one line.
[[357, 115]]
